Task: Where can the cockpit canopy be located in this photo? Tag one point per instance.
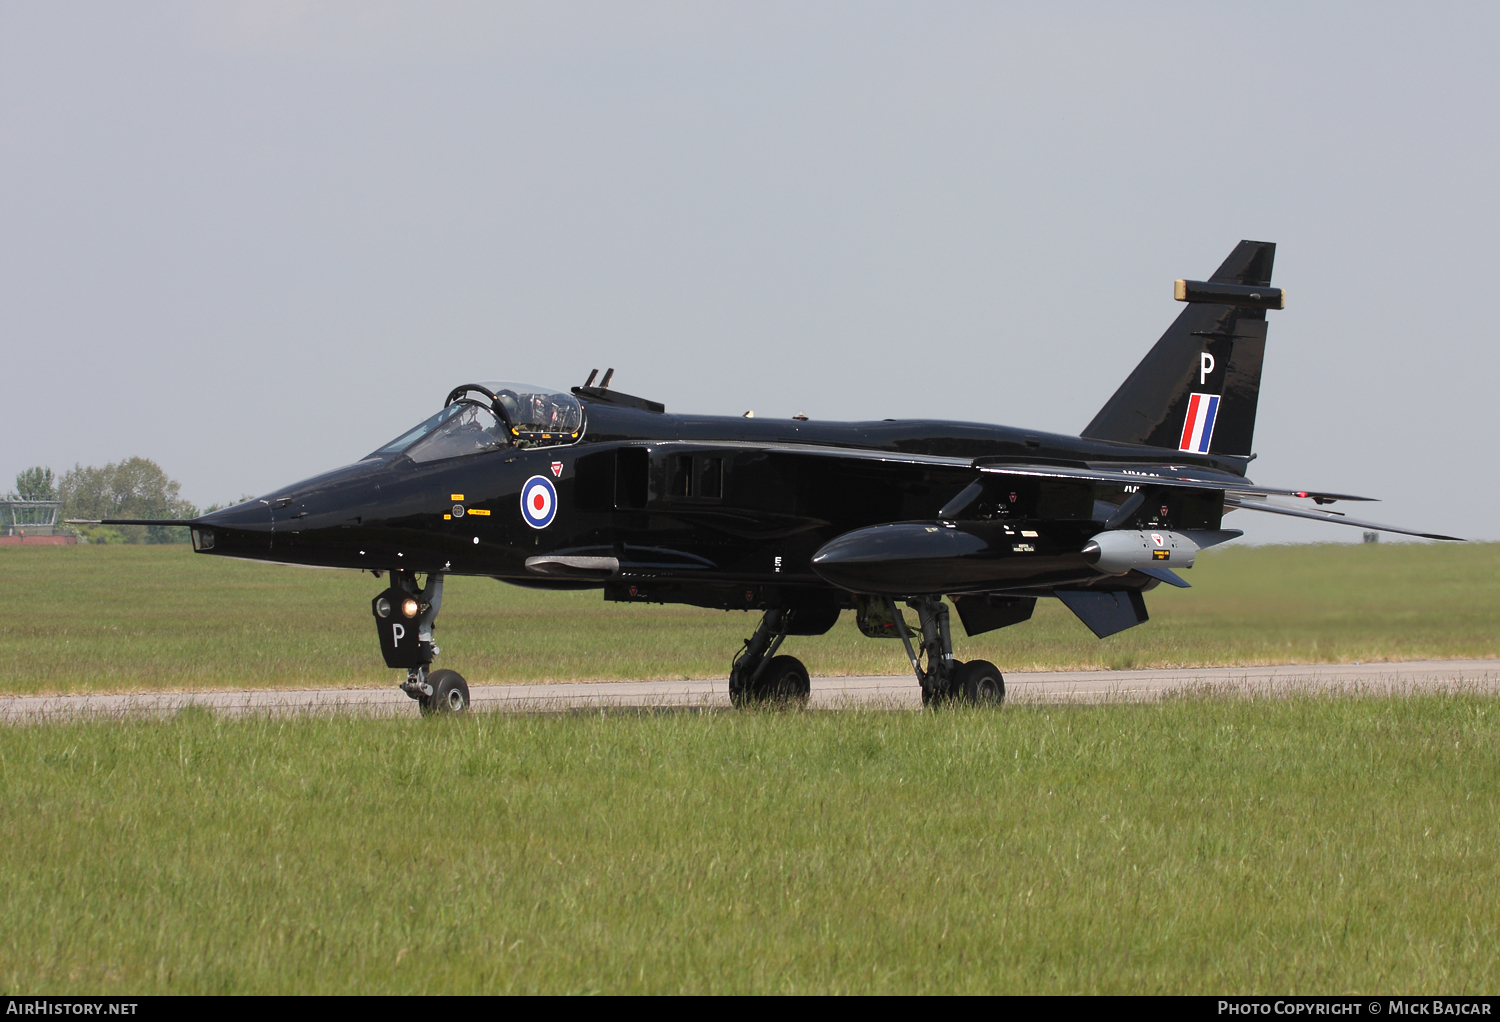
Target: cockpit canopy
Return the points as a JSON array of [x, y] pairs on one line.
[[536, 411], [480, 417]]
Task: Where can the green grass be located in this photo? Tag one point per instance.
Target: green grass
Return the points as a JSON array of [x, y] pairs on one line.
[[117, 618], [1191, 845]]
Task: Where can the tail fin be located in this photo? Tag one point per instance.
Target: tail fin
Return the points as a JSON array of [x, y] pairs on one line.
[[1197, 389]]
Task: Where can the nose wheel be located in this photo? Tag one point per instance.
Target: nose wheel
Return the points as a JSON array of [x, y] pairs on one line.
[[450, 694]]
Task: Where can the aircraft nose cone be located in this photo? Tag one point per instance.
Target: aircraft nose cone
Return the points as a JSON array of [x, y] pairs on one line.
[[251, 516], [243, 530]]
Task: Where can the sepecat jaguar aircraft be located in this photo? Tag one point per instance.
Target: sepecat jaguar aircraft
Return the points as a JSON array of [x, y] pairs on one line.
[[801, 520]]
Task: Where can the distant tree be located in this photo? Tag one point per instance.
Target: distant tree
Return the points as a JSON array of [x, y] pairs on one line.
[[133, 488], [36, 483]]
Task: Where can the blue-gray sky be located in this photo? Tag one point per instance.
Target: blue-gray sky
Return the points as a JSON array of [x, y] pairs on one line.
[[254, 241]]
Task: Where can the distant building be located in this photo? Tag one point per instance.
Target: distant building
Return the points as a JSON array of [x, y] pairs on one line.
[[32, 522]]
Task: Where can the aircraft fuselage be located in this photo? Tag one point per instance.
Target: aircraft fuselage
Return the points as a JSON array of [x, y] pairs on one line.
[[712, 501]]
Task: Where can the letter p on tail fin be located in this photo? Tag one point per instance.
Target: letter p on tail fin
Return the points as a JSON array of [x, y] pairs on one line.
[[1197, 388]]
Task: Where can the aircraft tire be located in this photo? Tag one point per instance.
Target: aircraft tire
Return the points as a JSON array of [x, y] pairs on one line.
[[980, 683], [450, 694], [785, 680]]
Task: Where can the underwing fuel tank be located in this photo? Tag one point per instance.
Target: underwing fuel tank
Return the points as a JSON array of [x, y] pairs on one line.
[[923, 557], [1120, 551]]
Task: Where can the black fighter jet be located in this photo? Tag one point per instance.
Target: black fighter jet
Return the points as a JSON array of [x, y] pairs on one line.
[[597, 489]]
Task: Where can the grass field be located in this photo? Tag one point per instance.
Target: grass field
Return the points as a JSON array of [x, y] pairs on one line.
[[1192, 845], [117, 618], [1196, 844]]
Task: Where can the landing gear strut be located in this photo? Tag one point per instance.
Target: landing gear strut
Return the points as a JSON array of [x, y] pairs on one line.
[[943, 679], [404, 615], [759, 675]]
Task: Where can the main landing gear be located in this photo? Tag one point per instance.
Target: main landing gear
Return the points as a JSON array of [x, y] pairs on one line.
[[759, 675], [404, 615], [944, 679]]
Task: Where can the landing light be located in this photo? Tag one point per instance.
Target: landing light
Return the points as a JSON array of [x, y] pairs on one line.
[[383, 607], [409, 607]]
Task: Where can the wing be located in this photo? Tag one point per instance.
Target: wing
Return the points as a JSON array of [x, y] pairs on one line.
[[1316, 514], [1237, 492], [1160, 475], [1178, 477]]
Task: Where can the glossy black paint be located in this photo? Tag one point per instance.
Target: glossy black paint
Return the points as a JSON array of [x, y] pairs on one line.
[[1150, 405], [784, 490], [809, 517]]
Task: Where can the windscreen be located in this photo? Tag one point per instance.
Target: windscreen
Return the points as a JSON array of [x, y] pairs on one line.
[[461, 428], [416, 433]]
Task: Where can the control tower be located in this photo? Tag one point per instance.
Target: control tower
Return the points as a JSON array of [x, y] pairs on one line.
[[31, 522]]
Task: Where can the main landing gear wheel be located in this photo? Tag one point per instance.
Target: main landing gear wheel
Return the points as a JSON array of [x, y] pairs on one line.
[[759, 675], [944, 679], [785, 680], [450, 694], [979, 683]]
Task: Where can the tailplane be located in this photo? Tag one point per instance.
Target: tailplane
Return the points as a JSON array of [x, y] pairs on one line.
[[1197, 389]]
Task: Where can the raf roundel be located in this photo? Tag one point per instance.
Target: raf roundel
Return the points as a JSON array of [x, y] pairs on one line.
[[538, 502]]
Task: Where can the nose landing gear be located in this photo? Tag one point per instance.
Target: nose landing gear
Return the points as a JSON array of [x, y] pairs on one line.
[[404, 616]]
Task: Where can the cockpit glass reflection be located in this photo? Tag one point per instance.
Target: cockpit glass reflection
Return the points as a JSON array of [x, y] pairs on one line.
[[530, 417], [417, 432], [470, 429], [537, 410]]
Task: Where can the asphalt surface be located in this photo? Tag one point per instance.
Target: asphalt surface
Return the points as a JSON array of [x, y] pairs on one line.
[[894, 692]]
